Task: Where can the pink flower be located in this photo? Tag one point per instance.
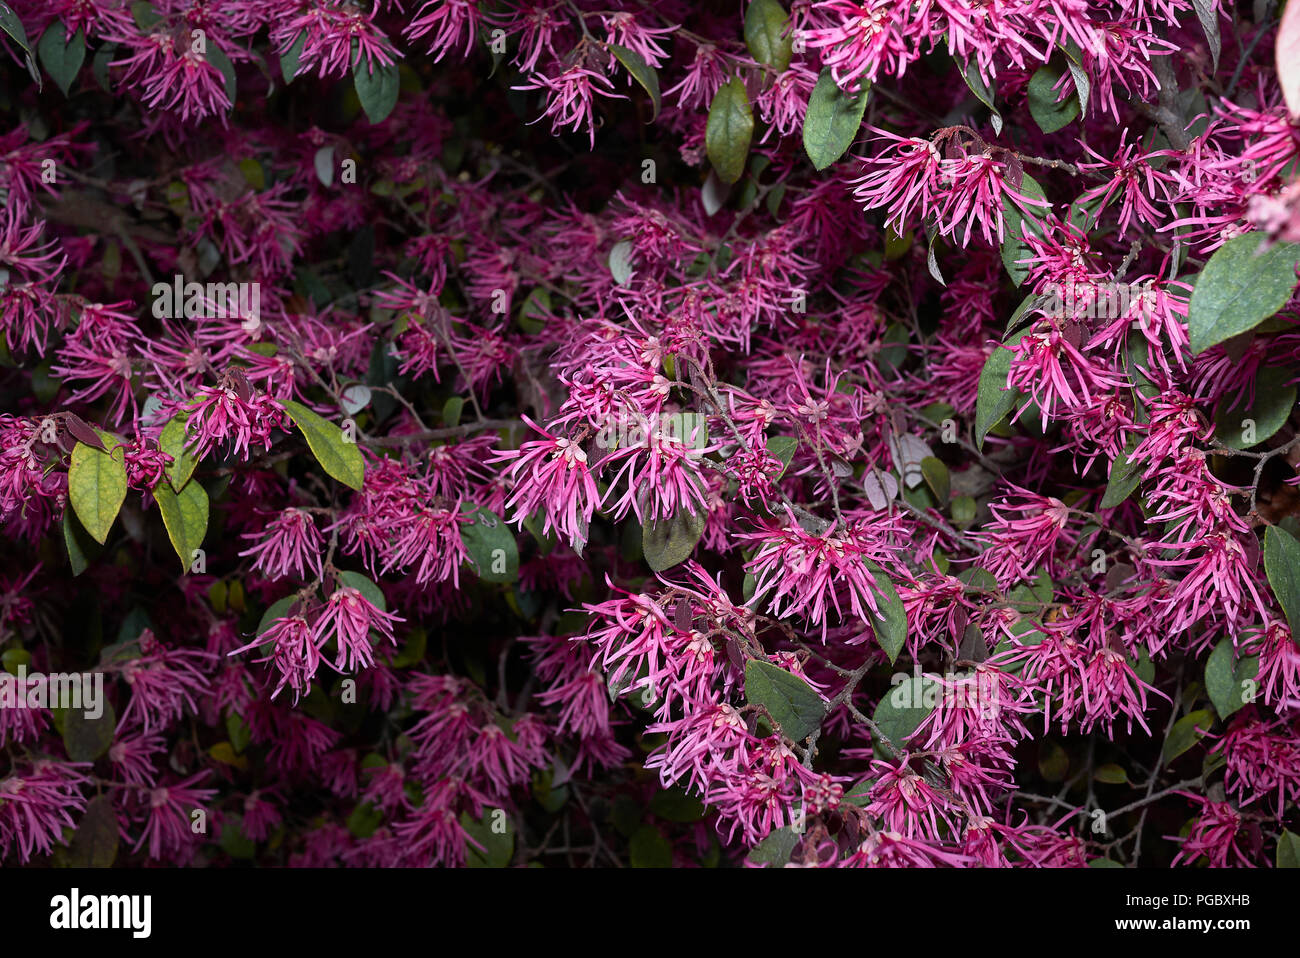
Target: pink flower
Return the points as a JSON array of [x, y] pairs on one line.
[[348, 619]]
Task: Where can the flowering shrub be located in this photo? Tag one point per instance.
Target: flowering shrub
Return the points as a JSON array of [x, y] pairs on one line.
[[822, 433]]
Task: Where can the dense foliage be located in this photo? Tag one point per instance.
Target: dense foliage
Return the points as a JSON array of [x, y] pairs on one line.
[[607, 432]]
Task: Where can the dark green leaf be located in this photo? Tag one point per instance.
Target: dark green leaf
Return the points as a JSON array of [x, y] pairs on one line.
[[85, 738], [1228, 681], [1273, 402], [1016, 225], [94, 844], [767, 34], [338, 457], [730, 126], [62, 57], [1282, 566], [289, 58], [641, 71], [1288, 850], [1239, 289], [831, 124], [491, 546], [994, 400], [788, 699], [775, 850], [902, 709], [495, 836], [1187, 731], [666, 542], [649, 849], [185, 515], [1049, 114], [377, 88], [891, 630], [1124, 478]]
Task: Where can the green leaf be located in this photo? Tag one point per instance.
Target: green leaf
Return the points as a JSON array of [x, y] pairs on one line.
[[367, 587], [788, 699], [94, 844], [1282, 566], [1227, 680], [172, 441], [642, 72], [971, 74], [221, 63], [775, 850], [1049, 114], [146, 17], [364, 820], [86, 739], [1016, 226], [676, 805], [238, 732], [338, 457], [61, 57], [1124, 478], [97, 485], [289, 58], [105, 55], [994, 400], [831, 124], [891, 630], [491, 546], [1185, 734], [649, 849], [497, 846], [1111, 774], [233, 841], [1274, 400], [666, 542], [730, 126], [277, 610], [767, 34], [185, 514], [377, 89], [936, 476], [1239, 289], [902, 709], [81, 548], [1053, 761], [783, 447], [1288, 850], [11, 25]]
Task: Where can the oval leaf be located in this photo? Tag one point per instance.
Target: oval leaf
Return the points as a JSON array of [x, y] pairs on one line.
[[491, 546], [87, 738], [788, 699], [641, 71], [1239, 289], [1282, 566], [730, 126], [376, 88], [172, 441], [97, 486], [62, 57], [666, 542], [185, 514], [767, 34], [338, 457], [832, 121]]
